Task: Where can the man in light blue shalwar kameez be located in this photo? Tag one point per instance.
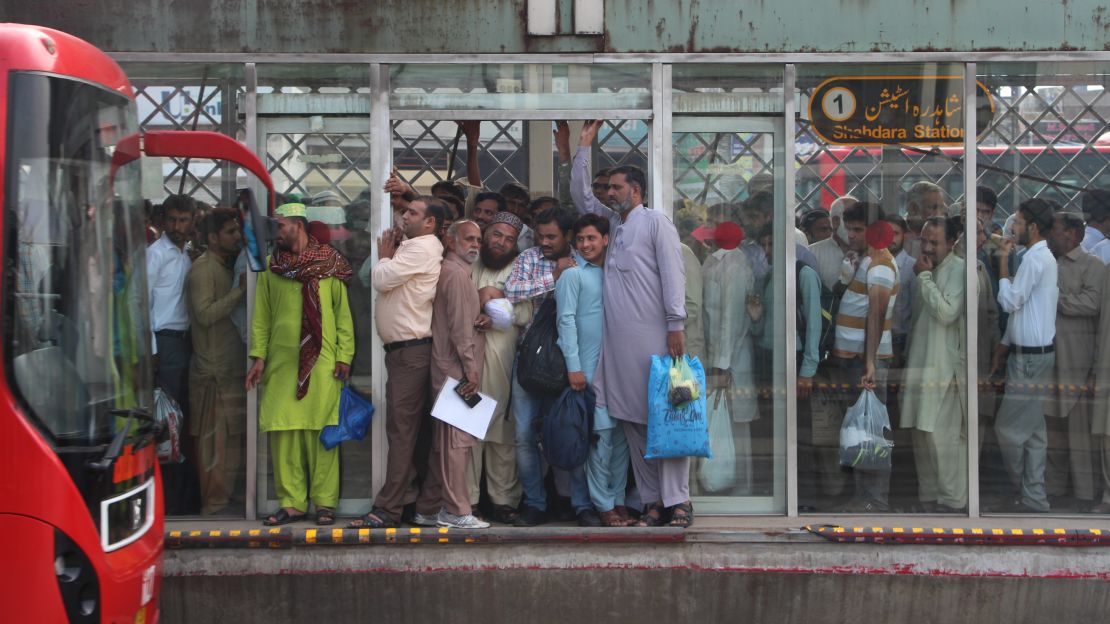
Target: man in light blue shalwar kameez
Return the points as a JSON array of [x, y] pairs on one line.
[[578, 295]]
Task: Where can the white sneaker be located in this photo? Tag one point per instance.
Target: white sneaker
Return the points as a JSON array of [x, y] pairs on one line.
[[450, 520], [425, 521]]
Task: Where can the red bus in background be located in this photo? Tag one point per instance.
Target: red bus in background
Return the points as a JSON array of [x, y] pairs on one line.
[[1014, 173], [80, 492]]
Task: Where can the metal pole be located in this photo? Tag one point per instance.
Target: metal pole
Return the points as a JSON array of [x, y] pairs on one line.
[[250, 75], [971, 99], [381, 219], [791, 299]]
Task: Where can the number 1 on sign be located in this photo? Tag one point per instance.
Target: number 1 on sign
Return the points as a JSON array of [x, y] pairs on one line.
[[838, 104]]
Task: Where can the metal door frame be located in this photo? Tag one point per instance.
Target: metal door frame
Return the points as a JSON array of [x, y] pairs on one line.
[[784, 496], [259, 444]]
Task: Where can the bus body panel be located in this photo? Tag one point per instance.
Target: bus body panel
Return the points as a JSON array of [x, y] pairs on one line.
[[28, 585], [38, 497]]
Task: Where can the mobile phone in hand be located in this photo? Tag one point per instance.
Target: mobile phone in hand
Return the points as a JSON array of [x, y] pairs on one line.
[[470, 401]]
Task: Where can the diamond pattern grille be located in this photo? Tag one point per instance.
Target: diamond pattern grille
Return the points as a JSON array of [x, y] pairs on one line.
[[711, 168], [177, 106], [308, 164], [622, 142], [1042, 143]]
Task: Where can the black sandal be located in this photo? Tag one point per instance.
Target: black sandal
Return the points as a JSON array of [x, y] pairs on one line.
[[652, 516], [376, 519], [281, 517], [325, 516], [684, 519]]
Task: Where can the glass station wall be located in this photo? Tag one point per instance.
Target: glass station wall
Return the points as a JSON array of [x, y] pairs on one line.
[[1044, 175], [882, 418], [887, 137]]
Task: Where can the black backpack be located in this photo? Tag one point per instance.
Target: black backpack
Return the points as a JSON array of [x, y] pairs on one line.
[[567, 429], [540, 367], [829, 308]]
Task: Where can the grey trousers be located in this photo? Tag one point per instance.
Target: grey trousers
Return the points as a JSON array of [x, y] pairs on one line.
[[1020, 425], [666, 480], [1072, 453]]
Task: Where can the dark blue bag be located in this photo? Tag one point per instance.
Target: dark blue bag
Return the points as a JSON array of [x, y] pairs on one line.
[[355, 414], [567, 429]]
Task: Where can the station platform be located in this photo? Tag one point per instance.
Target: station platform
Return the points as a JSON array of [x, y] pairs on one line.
[[775, 569]]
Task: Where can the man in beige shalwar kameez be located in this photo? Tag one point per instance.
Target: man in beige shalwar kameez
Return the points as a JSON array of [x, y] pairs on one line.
[[1071, 454], [498, 451], [1100, 422], [934, 398]]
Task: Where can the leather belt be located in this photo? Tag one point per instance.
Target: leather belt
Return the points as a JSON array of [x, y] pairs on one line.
[[401, 344], [1035, 350], [172, 333]]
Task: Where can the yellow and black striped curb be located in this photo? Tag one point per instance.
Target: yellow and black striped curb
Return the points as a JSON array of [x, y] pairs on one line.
[[966, 536], [286, 537], [276, 537]]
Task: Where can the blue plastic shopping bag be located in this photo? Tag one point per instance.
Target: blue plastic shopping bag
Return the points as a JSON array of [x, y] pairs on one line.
[[355, 413], [676, 430]]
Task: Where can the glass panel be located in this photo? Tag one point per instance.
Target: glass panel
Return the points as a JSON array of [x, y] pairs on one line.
[[716, 89], [520, 87], [189, 96], [728, 210], [77, 341], [879, 171], [328, 169], [1045, 153], [426, 152], [313, 78]]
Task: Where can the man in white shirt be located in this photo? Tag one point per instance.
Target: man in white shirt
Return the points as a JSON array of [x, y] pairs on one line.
[[1029, 353], [167, 265], [1096, 211]]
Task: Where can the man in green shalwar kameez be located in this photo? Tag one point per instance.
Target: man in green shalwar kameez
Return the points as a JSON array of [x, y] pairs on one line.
[[302, 343]]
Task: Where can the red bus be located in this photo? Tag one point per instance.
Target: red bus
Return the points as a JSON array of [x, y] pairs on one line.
[[80, 493], [1016, 173]]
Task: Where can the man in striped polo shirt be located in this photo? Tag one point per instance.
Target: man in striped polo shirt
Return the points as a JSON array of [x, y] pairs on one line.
[[863, 347]]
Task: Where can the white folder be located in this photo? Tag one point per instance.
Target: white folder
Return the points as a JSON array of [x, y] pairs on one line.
[[451, 409]]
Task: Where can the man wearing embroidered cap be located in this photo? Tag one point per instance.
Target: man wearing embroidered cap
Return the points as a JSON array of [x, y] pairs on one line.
[[302, 343], [498, 450]]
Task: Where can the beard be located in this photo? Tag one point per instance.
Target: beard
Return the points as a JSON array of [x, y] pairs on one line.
[[494, 262], [621, 206]]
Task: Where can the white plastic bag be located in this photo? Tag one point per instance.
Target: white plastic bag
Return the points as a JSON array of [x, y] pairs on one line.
[[168, 413], [863, 443], [719, 473], [500, 312]]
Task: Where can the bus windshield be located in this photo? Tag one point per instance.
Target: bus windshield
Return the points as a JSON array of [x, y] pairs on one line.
[[77, 340]]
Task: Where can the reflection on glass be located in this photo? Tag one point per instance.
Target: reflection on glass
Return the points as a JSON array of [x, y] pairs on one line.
[[330, 173], [79, 318], [879, 167], [520, 87], [1043, 171], [724, 207]]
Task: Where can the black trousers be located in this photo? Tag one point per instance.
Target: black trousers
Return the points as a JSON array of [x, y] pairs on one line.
[[179, 481]]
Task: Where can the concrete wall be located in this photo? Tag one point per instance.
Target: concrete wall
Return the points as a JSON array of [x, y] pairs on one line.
[[486, 26], [695, 583]]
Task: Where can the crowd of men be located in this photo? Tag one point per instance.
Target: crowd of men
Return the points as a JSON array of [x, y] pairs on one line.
[[461, 277], [899, 287]]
